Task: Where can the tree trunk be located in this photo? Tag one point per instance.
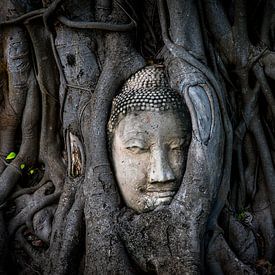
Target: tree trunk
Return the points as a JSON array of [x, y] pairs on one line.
[[62, 63]]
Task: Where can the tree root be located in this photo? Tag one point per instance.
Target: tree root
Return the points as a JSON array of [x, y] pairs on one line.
[[65, 204], [36, 256], [25, 17], [252, 168], [28, 150], [266, 90], [3, 243], [30, 190], [50, 151], [266, 159], [179, 52], [14, 87], [222, 260], [120, 63], [67, 256], [96, 25], [26, 215]]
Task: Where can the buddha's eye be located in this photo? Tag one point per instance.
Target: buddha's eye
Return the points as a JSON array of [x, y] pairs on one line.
[[136, 146], [177, 144], [177, 148], [137, 149]]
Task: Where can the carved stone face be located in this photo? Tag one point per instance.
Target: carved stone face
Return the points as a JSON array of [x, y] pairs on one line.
[[149, 156]]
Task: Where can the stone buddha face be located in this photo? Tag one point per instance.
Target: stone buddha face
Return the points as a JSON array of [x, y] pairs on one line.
[[150, 134]]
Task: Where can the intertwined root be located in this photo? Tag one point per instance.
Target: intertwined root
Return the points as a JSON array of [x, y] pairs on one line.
[[57, 81]]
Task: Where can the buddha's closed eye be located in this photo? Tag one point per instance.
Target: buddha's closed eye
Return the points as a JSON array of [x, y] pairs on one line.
[[136, 146], [176, 144]]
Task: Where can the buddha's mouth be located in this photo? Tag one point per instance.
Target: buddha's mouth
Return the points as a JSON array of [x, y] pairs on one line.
[[168, 188], [167, 193]]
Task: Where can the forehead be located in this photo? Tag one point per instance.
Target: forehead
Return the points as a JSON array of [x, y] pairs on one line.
[[152, 123]]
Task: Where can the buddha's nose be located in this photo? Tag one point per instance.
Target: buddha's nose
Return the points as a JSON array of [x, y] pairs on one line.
[[160, 169]]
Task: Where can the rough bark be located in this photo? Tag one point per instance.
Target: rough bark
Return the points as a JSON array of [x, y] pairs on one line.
[[62, 63]]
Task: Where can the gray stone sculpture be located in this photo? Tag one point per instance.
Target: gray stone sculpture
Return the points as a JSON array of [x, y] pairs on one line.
[[149, 131]]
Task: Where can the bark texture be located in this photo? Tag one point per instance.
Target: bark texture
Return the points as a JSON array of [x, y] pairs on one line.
[[61, 64]]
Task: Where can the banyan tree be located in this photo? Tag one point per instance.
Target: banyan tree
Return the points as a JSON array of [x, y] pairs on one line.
[[137, 137]]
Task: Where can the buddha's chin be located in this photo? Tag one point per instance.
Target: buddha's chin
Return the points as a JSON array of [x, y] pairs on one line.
[[154, 200]]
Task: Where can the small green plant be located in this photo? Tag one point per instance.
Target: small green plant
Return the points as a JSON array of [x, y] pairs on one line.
[[241, 216], [32, 171], [11, 156]]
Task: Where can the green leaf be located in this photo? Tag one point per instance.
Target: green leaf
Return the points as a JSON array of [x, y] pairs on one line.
[[22, 166], [241, 216], [11, 156], [32, 171]]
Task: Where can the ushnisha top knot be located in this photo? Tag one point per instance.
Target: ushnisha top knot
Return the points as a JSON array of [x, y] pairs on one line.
[[148, 77], [146, 90]]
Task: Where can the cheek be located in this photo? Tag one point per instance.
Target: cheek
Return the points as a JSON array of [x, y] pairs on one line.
[[130, 169]]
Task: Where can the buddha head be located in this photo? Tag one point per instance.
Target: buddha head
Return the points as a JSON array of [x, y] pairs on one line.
[[149, 133]]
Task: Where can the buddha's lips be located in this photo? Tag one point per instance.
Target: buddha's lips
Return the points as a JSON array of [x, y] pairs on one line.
[[165, 188], [162, 193]]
